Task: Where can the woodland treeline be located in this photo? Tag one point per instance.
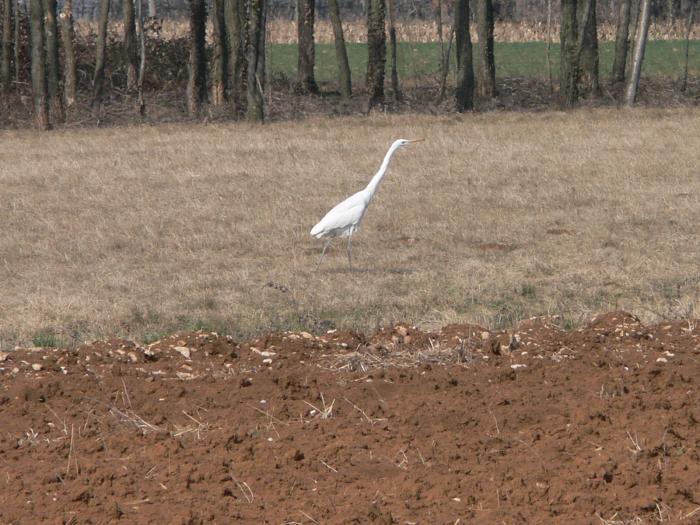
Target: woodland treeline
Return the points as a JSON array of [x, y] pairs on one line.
[[226, 67]]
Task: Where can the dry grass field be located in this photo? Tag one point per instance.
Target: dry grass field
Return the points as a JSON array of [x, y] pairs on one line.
[[143, 230]]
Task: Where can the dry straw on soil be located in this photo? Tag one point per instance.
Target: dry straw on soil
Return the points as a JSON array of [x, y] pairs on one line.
[[141, 230]]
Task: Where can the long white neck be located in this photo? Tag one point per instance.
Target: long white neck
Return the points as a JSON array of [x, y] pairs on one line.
[[374, 183]]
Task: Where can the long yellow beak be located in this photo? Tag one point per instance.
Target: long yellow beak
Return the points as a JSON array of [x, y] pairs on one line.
[[416, 140]]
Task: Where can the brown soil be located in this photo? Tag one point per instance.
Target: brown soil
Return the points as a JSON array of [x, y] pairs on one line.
[[466, 425]]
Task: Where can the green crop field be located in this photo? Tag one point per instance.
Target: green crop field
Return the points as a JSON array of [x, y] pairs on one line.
[[528, 59]]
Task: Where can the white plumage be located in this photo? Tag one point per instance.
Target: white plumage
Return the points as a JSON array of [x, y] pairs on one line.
[[344, 218]]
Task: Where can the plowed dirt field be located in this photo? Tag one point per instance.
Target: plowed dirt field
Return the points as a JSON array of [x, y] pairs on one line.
[[537, 425]]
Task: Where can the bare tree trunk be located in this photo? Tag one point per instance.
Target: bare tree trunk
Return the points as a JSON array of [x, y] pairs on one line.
[[486, 66], [621, 42], [130, 53], [219, 55], [464, 95], [16, 45], [197, 63], [588, 53], [638, 53], [53, 70], [569, 73], [341, 53], [41, 107], [548, 54], [393, 52], [69, 73], [5, 73], [688, 29], [99, 77], [152, 12], [256, 49], [445, 68], [438, 22], [306, 82], [142, 56], [234, 18], [376, 52]]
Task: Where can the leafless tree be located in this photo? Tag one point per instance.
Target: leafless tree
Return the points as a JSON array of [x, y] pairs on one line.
[[391, 8], [67, 35], [621, 42], [6, 61], [486, 65], [638, 53], [98, 79], [306, 56], [53, 69], [41, 107], [130, 46], [376, 51], [197, 63], [341, 53], [256, 53], [688, 29], [464, 95], [219, 57]]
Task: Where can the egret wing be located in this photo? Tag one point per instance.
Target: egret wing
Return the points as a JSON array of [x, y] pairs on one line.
[[342, 216]]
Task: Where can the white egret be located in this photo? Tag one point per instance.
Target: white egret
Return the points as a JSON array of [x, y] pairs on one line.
[[344, 218]]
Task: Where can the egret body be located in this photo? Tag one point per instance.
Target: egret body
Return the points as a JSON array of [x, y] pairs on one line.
[[344, 218]]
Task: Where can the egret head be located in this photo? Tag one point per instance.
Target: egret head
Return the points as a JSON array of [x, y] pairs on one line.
[[402, 143]]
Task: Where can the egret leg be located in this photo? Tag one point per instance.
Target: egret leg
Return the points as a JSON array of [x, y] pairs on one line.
[[349, 252], [325, 247]]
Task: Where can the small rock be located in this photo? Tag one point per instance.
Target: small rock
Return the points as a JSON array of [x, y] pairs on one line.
[[402, 330], [183, 350], [485, 336], [307, 335], [407, 339], [518, 365], [267, 361], [37, 367], [662, 360], [133, 357], [3, 356]]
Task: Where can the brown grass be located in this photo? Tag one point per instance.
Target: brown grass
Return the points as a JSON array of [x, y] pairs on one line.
[[138, 231], [282, 31]]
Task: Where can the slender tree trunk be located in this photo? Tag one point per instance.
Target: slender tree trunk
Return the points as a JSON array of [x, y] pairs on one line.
[[548, 53], [16, 45], [234, 18], [142, 57], [69, 73], [376, 52], [197, 63], [621, 42], [688, 29], [152, 12], [53, 69], [486, 67], [306, 82], [588, 52], [465, 71], [41, 107], [569, 73], [219, 55], [5, 73], [341, 53], [391, 8], [98, 80], [638, 53], [131, 57], [438, 23], [634, 19], [445, 68], [256, 49]]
